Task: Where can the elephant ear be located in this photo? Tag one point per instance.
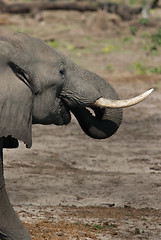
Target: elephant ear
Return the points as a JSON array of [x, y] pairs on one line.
[[15, 98]]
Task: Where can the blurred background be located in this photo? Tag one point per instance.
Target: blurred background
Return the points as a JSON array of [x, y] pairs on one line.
[[124, 35]]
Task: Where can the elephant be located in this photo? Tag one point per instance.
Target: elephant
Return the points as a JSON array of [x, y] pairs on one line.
[[40, 85]]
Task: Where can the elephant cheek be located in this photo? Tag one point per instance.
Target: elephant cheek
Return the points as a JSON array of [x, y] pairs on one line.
[[42, 108], [56, 113]]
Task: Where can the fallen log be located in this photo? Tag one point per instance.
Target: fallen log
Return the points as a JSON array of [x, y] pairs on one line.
[[124, 11]]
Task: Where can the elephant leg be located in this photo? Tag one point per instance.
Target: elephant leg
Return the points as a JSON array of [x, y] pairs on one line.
[[11, 228]]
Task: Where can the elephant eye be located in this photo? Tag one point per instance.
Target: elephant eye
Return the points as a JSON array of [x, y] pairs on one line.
[[62, 71]]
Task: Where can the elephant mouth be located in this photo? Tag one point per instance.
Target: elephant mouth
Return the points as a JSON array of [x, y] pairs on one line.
[[62, 115]]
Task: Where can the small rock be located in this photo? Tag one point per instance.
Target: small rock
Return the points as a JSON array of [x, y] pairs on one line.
[[60, 234]]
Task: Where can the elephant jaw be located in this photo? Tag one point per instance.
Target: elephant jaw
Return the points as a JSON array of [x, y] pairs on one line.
[[63, 115]]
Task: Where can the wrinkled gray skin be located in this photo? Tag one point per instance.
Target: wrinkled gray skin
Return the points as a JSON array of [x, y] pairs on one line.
[[39, 85]]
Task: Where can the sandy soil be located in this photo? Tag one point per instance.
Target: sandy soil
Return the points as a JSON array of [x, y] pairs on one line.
[[69, 186]]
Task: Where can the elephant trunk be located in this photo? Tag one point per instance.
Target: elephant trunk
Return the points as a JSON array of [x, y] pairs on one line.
[[103, 125], [88, 90], [108, 114], [105, 121]]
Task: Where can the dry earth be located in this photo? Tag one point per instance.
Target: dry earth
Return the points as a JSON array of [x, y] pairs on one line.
[[69, 186]]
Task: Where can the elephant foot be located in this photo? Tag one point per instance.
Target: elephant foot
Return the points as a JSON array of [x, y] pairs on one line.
[[11, 228]]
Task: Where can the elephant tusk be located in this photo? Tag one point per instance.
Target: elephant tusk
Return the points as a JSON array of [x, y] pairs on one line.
[[109, 103]]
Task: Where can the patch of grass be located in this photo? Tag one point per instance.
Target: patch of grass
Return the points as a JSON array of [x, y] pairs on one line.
[[71, 47], [156, 38], [110, 67], [127, 39], [133, 30], [129, 2], [110, 225], [20, 29], [151, 50], [142, 69], [89, 37], [144, 21], [107, 49], [53, 43], [146, 35], [156, 70], [139, 67], [132, 2], [104, 226], [98, 227], [152, 43]]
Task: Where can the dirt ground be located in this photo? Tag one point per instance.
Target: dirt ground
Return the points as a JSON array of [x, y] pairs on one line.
[[68, 186]]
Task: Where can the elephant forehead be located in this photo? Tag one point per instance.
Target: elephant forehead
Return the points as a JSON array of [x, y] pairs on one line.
[[29, 49], [41, 51]]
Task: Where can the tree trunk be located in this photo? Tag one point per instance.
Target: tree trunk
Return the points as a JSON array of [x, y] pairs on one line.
[[124, 11], [146, 9]]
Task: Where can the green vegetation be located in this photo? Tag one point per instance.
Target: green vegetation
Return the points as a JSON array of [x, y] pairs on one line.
[[107, 49], [16, 28], [53, 43], [114, 49], [109, 67], [98, 227], [144, 21], [127, 39], [151, 50], [133, 30], [102, 227], [145, 35], [156, 38], [139, 68], [142, 69], [145, 42], [156, 70], [153, 43], [128, 2]]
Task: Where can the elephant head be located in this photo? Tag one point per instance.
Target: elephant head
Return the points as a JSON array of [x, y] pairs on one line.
[[39, 85]]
